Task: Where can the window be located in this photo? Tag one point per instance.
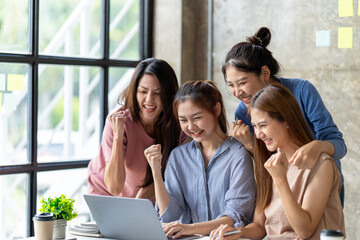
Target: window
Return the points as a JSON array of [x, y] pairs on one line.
[[62, 66]]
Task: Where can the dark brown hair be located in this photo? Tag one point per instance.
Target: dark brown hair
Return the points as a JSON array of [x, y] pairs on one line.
[[206, 95], [252, 55], [281, 105], [167, 129]]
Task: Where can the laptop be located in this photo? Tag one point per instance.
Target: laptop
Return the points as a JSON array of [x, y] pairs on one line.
[[126, 218]]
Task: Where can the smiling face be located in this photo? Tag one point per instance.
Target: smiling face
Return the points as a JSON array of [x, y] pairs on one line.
[[196, 122], [244, 85], [148, 99], [271, 131]]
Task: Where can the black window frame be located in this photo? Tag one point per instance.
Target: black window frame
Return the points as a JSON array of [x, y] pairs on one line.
[[34, 59]]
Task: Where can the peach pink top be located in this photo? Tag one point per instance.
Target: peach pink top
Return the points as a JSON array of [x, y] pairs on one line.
[[278, 227], [135, 141]]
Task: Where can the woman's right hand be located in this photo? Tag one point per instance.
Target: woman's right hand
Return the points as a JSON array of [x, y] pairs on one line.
[[116, 120], [153, 156], [115, 174], [277, 166], [221, 230]]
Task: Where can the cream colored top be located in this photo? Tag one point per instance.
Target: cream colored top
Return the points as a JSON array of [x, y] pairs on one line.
[[278, 227]]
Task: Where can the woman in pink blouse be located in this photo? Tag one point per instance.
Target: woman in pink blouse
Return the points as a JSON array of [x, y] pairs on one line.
[[144, 118]]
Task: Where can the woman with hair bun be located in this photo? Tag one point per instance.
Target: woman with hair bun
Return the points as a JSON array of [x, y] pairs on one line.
[[249, 66]]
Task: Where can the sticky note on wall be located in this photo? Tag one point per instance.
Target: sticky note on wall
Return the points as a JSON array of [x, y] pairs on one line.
[[2, 82], [345, 37], [346, 8], [15, 82], [323, 38]]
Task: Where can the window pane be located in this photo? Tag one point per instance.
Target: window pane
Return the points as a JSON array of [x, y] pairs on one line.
[[72, 183], [68, 125], [14, 26], [75, 31], [13, 206], [124, 29], [13, 113], [119, 79]]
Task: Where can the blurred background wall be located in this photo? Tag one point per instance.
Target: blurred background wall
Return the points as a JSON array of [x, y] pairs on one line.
[[315, 40]]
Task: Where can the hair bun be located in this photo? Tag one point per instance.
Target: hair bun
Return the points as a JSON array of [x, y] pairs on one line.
[[262, 37]]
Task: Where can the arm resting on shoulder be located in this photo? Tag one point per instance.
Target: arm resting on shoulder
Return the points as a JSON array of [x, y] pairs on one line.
[[325, 146], [307, 156], [324, 126]]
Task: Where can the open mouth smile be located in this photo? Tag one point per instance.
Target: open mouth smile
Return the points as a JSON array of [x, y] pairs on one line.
[[149, 108], [267, 141], [197, 134], [246, 99]]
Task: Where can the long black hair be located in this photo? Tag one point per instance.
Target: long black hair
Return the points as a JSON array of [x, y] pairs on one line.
[[252, 55], [167, 129]]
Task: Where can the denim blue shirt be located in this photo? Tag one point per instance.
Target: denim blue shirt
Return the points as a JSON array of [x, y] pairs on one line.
[[225, 188]]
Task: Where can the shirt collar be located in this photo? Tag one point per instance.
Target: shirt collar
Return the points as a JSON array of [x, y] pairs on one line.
[[195, 146]]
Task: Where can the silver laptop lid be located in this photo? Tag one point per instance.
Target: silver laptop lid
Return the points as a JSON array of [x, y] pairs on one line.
[[125, 218]]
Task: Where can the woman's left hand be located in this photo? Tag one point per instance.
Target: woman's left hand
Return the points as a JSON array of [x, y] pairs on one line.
[[176, 229], [307, 156], [277, 165]]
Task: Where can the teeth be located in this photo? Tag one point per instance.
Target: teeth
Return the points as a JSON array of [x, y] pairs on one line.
[[149, 107], [247, 98]]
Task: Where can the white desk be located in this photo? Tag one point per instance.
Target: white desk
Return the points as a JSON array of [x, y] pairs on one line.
[[75, 237]]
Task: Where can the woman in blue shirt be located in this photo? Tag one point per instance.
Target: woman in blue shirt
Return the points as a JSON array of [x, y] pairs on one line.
[[249, 66], [208, 181]]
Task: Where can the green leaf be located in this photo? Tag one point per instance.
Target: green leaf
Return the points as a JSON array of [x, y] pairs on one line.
[[61, 207]]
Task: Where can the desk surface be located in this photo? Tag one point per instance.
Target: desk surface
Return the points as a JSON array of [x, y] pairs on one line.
[[73, 237], [76, 237]]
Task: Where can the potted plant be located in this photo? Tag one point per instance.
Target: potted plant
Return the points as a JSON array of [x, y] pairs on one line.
[[63, 210]]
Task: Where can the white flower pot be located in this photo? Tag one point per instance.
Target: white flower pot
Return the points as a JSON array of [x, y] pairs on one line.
[[59, 228]]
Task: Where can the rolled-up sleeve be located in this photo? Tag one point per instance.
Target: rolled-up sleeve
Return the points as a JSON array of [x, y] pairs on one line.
[[172, 212], [240, 197]]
